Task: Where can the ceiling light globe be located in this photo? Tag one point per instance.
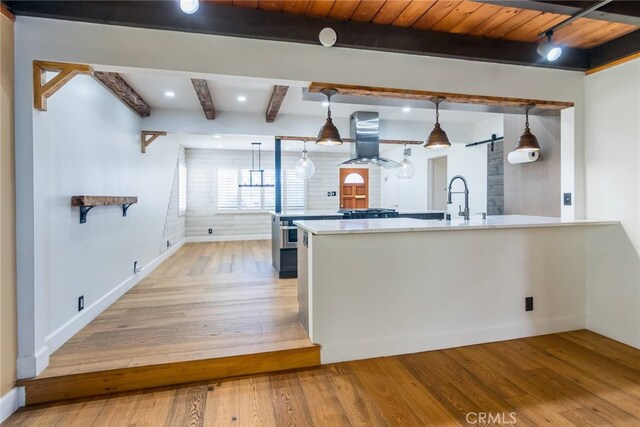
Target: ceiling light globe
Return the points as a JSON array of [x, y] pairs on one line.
[[189, 6], [305, 167], [406, 169]]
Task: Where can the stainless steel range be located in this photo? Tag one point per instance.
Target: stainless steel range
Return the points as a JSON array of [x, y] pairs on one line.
[[369, 213]]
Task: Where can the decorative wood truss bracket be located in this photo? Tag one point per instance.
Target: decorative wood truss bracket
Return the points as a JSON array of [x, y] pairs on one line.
[[147, 137], [43, 89]]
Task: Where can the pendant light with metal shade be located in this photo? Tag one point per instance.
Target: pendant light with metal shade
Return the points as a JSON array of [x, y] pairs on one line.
[[305, 167], [438, 139], [528, 141], [406, 169], [329, 134]]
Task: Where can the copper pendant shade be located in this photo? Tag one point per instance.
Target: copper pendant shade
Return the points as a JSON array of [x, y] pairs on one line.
[[329, 134], [528, 141], [438, 138]]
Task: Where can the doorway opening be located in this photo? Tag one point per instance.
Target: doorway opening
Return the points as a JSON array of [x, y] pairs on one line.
[[437, 198]]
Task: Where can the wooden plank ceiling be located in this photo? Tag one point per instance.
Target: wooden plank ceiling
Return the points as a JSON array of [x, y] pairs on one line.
[[458, 17]]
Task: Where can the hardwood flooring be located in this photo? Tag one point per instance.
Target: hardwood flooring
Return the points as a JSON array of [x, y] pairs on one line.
[[570, 379], [212, 304]]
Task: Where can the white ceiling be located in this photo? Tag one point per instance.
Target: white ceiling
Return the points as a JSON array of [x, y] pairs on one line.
[[225, 91]]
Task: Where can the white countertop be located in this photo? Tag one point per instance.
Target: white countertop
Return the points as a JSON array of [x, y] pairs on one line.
[[312, 212], [396, 225]]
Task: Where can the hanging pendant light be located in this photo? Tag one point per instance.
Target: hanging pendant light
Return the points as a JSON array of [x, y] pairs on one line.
[[253, 182], [329, 134], [406, 169], [305, 167], [528, 141], [438, 139]]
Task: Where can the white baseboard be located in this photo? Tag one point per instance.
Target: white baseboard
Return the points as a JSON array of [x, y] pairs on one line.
[[82, 319], [10, 402], [198, 239], [31, 366], [615, 332], [379, 347]]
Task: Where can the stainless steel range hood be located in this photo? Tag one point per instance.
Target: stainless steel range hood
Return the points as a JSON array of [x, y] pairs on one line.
[[365, 131]]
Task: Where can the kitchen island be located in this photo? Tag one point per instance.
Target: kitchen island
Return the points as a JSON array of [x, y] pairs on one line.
[[377, 287]]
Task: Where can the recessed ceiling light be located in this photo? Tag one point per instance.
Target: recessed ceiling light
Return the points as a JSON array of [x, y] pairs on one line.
[[220, 146], [406, 109], [325, 104], [169, 94], [217, 136], [242, 98]]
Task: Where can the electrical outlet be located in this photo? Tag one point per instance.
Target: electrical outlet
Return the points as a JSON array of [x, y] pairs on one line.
[[528, 304], [567, 199], [81, 303], [210, 231], [328, 193], [333, 193], [136, 268]]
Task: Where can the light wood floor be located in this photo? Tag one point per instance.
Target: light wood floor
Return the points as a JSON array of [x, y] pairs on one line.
[[208, 300], [570, 379]]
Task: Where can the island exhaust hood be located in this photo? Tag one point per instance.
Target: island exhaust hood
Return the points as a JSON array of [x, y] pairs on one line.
[[365, 145]]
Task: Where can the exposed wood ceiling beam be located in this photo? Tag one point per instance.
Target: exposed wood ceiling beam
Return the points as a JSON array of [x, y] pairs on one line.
[[204, 96], [125, 93], [623, 12], [266, 25], [382, 141], [43, 89], [277, 96], [421, 95]]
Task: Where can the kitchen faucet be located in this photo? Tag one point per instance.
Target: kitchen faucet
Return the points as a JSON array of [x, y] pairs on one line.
[[463, 213]]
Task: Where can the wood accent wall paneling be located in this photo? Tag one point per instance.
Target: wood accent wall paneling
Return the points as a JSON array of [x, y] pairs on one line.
[[533, 188], [495, 179], [8, 330]]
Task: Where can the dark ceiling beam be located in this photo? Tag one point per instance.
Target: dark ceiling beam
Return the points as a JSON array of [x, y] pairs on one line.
[[277, 96], [622, 47], [125, 93], [204, 96], [623, 12], [224, 20]]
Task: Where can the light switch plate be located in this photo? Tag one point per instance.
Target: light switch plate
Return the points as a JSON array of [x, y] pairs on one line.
[[567, 199]]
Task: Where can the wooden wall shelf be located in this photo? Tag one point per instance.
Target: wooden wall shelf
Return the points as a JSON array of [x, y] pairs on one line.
[[86, 203]]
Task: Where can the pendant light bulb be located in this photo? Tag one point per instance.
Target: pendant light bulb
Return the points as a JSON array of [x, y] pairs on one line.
[[406, 169], [329, 134], [438, 138], [304, 166], [189, 6], [549, 50], [528, 141]]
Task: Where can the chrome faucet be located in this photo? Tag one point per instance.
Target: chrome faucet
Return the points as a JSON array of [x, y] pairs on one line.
[[463, 213]]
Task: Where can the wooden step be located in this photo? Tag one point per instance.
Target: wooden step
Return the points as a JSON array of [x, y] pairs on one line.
[[87, 384]]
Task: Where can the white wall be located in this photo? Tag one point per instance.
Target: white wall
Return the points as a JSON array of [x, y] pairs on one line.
[[89, 144], [613, 192], [58, 40], [175, 223]]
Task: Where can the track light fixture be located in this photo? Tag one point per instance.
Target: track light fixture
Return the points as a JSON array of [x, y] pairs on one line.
[[189, 6], [438, 139], [528, 141], [549, 50], [329, 134]]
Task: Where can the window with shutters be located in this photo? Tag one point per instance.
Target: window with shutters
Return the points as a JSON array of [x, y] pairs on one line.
[[232, 197]]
